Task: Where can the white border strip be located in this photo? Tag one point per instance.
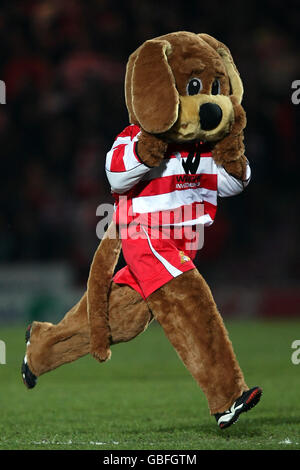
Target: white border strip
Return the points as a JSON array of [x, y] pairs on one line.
[[169, 267]]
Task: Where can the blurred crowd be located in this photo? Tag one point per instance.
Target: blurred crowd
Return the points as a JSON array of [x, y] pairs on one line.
[[63, 63]]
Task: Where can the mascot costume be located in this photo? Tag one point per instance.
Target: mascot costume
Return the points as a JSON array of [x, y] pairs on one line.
[[183, 148]]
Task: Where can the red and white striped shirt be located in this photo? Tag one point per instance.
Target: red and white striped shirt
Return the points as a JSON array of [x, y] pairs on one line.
[[171, 193]]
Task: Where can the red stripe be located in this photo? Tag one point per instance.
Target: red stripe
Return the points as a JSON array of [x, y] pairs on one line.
[[129, 131], [210, 209], [168, 184], [209, 181], [117, 163], [125, 215], [206, 154]]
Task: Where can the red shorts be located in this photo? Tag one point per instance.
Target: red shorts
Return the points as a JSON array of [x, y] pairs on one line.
[[153, 260]]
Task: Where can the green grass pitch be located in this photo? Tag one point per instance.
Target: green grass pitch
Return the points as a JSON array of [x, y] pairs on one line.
[[144, 398]]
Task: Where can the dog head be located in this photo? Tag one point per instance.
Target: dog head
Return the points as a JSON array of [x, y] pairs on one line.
[[179, 86]]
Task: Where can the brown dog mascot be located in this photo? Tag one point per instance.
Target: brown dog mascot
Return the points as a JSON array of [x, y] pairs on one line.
[[183, 148]]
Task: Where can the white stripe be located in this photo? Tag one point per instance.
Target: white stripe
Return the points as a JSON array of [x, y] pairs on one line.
[[127, 150], [248, 175], [129, 158], [169, 201], [229, 414], [121, 140], [122, 181], [108, 160], [169, 267], [203, 220], [110, 154], [230, 186]]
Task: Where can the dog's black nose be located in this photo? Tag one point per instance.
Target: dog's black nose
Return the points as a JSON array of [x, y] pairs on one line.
[[210, 116]]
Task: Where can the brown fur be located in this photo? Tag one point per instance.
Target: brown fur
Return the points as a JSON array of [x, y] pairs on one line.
[[186, 310], [229, 151], [153, 102], [151, 149], [188, 126], [54, 345], [99, 282], [155, 90], [236, 84], [152, 83]]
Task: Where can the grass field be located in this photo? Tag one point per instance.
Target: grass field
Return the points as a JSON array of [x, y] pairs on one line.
[[145, 399]]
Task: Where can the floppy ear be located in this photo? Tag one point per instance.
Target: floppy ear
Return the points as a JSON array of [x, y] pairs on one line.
[[233, 74], [128, 78], [151, 95]]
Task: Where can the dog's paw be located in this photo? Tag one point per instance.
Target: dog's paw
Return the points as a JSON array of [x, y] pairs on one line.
[[229, 149], [101, 354], [151, 149], [237, 168]]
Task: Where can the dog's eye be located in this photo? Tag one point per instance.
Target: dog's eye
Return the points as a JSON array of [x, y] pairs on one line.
[[194, 86], [215, 89]]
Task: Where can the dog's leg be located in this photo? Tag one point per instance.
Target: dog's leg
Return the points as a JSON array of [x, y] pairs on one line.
[[188, 314], [54, 345]]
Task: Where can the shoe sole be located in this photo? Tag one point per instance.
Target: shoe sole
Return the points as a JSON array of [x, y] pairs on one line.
[[251, 401], [29, 379]]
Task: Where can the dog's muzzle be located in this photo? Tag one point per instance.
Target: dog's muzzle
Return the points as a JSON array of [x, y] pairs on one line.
[[202, 117], [210, 116]]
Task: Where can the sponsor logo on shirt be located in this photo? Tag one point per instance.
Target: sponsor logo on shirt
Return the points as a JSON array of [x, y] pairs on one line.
[[188, 181], [183, 257], [191, 164]]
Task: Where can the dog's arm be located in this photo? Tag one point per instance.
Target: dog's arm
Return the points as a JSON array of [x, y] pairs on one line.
[[131, 157], [150, 149], [98, 286], [230, 151]]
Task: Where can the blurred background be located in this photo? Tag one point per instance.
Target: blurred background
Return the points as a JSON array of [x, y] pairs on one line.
[[63, 64]]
